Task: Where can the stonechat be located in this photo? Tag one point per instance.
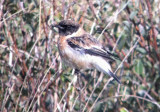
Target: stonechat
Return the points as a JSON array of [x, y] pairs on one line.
[[79, 50]]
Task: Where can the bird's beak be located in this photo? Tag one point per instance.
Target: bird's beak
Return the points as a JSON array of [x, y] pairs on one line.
[[57, 26], [52, 26]]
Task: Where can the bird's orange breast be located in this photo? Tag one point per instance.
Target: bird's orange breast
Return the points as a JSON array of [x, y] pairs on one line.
[[62, 44], [70, 57]]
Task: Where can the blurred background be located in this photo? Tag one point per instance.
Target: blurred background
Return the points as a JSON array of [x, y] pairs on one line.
[[33, 78]]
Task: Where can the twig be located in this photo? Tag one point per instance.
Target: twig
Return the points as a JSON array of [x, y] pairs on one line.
[[119, 37], [27, 74], [5, 19], [95, 86], [69, 86], [39, 86], [51, 79], [39, 34], [20, 51], [113, 18], [151, 101]]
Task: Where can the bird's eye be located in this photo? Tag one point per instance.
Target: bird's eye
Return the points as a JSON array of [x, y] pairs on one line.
[[62, 27]]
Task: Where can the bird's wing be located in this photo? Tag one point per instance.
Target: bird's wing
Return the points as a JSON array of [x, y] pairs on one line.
[[89, 45]]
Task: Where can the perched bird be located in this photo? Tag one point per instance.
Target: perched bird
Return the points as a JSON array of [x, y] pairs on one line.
[[80, 50]]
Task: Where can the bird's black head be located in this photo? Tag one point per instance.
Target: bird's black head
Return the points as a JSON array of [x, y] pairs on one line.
[[67, 27]]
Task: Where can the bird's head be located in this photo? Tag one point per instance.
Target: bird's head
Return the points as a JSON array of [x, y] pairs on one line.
[[67, 27]]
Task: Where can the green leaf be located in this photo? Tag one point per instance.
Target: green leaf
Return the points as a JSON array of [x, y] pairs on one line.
[[121, 42], [139, 67], [133, 14], [127, 24], [141, 50], [142, 30], [123, 109], [148, 63]]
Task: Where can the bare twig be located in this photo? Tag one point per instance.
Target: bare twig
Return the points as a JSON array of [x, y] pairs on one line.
[[69, 87], [114, 18], [5, 19], [130, 96], [39, 86], [32, 63], [20, 51]]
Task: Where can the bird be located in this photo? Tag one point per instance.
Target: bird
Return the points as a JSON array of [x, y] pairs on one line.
[[80, 50]]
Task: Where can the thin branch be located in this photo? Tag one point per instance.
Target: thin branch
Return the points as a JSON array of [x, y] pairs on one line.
[[131, 96], [25, 79], [69, 87], [48, 83], [5, 19], [39, 34], [114, 18], [20, 51], [39, 86]]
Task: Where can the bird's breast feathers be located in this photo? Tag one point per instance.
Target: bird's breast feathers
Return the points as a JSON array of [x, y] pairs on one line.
[[81, 51], [71, 55]]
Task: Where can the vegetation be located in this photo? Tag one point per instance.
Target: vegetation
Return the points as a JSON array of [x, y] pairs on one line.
[[32, 77]]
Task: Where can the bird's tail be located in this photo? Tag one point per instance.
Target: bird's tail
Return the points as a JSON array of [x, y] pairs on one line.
[[113, 75], [110, 73], [105, 67]]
